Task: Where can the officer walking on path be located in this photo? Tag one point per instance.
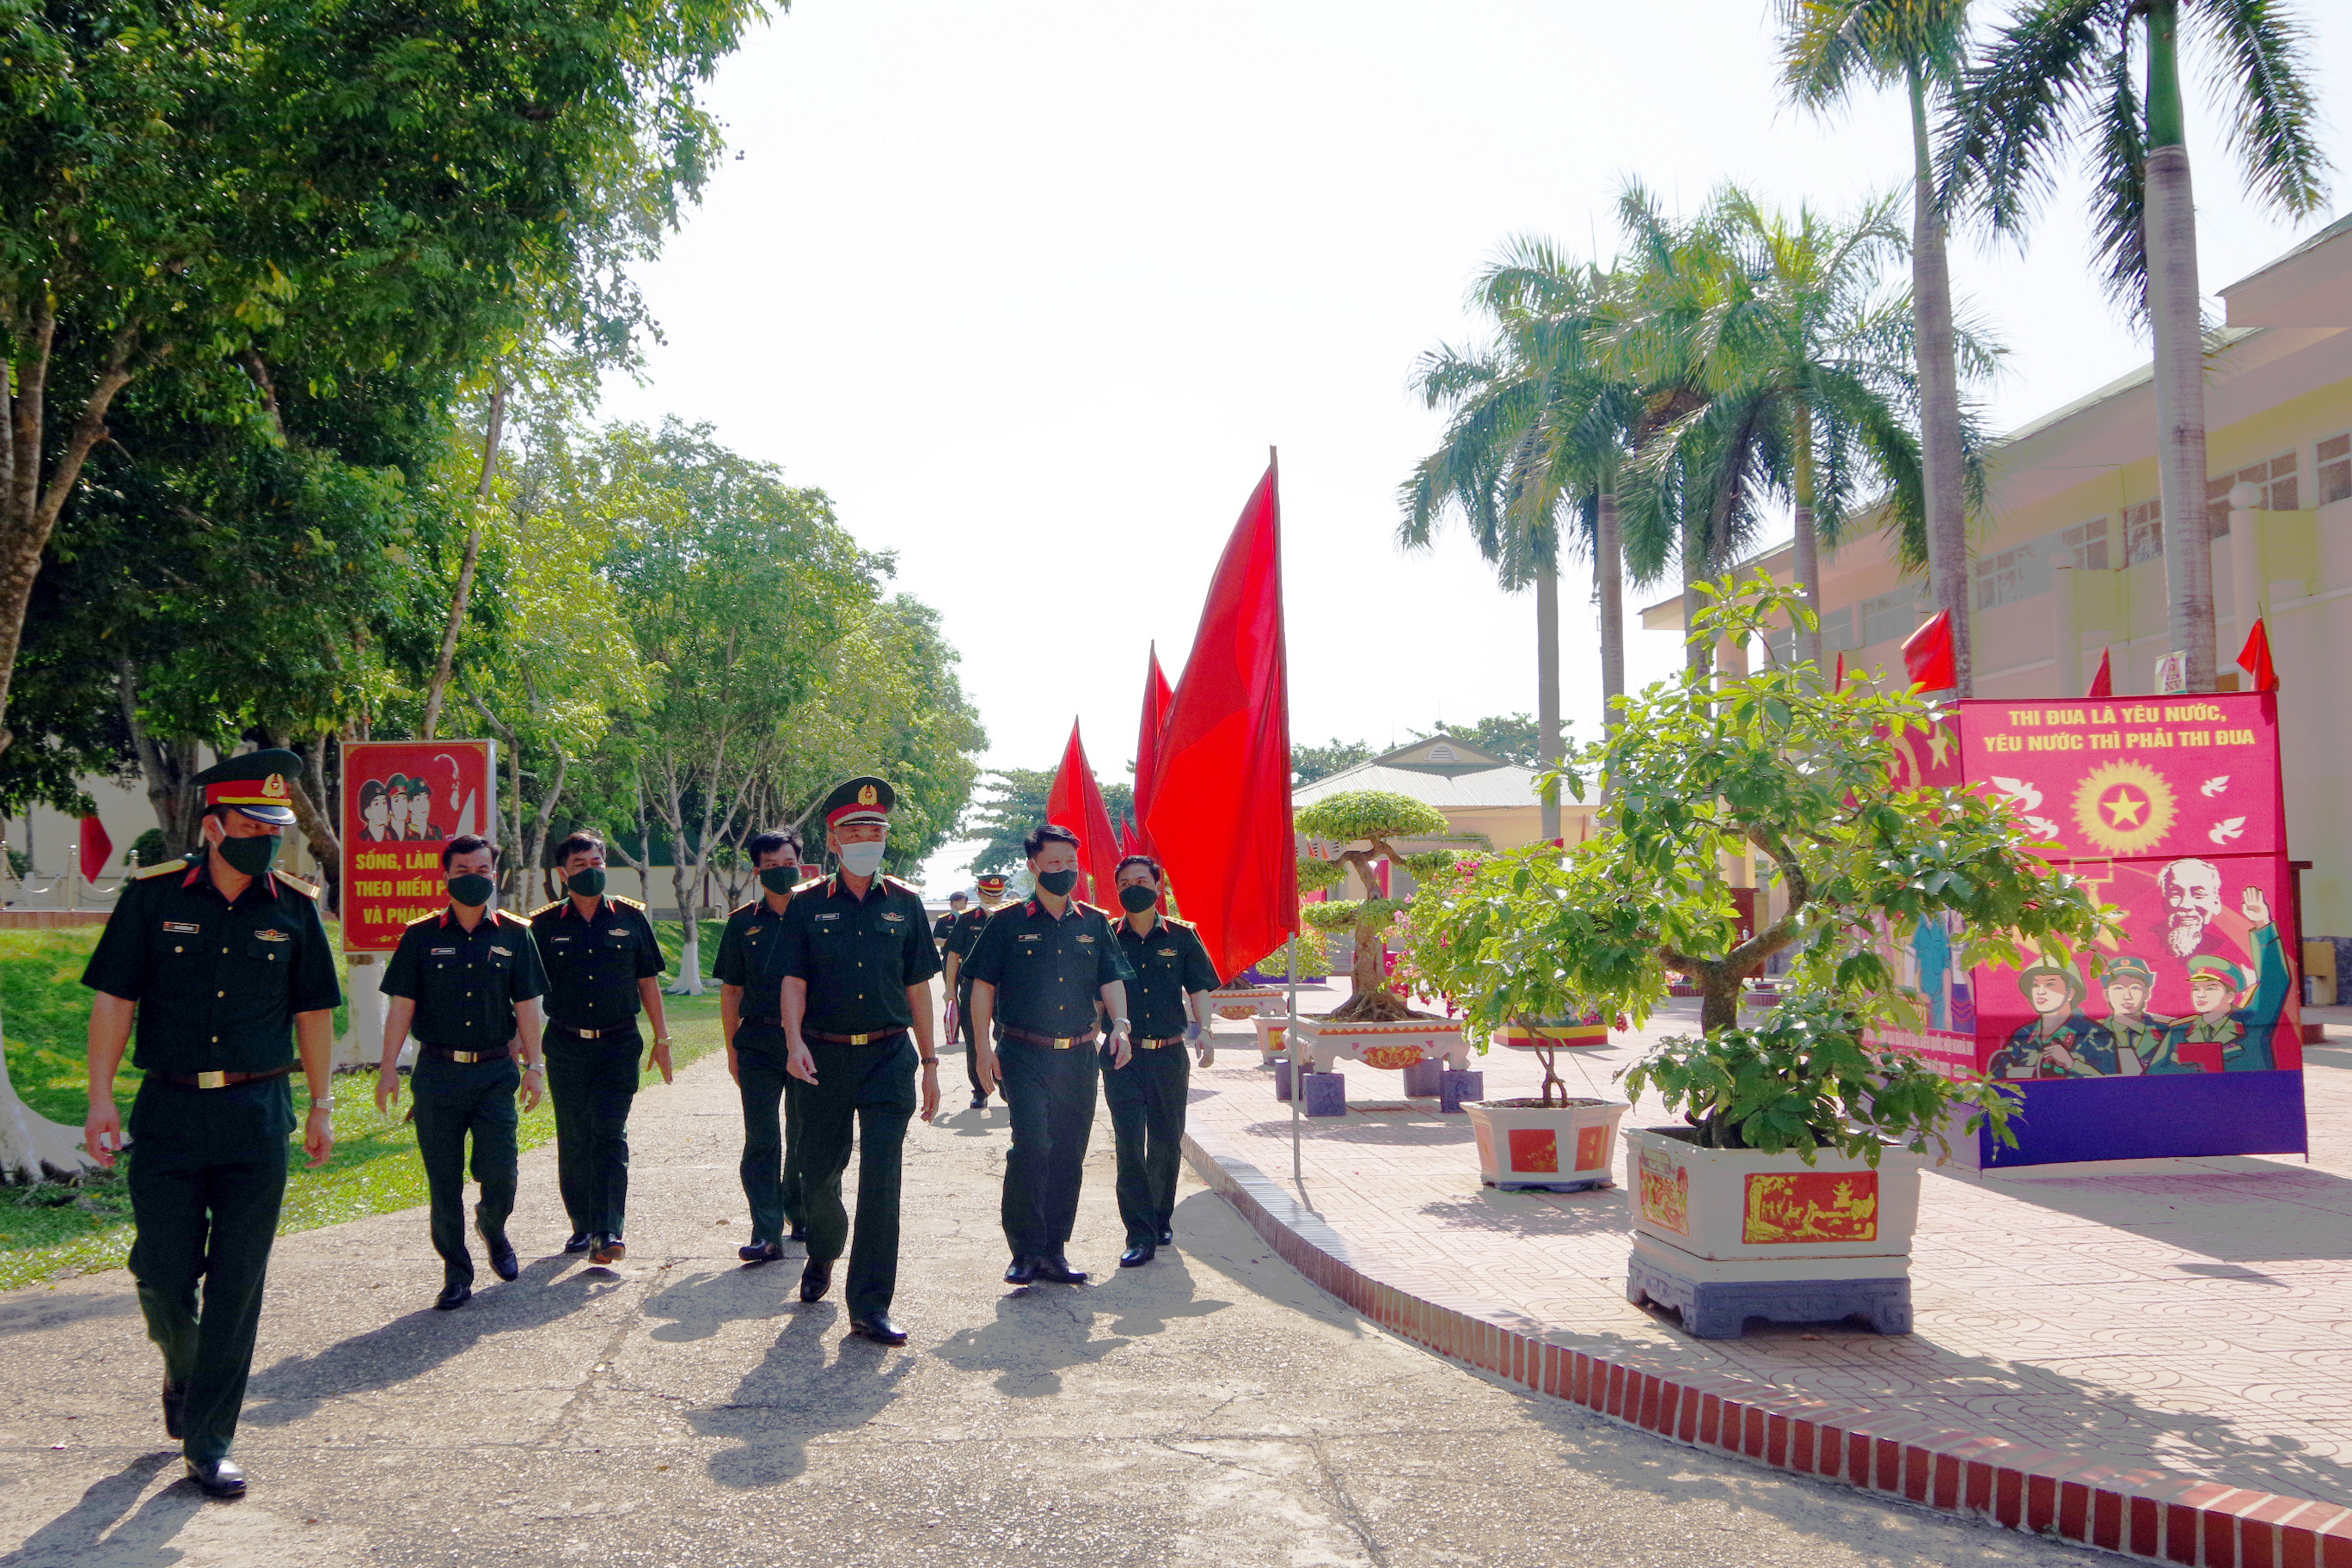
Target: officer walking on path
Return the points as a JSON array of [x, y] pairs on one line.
[[961, 938], [1039, 971], [946, 922], [757, 1051], [1169, 1000], [223, 964], [603, 965], [467, 982], [855, 961]]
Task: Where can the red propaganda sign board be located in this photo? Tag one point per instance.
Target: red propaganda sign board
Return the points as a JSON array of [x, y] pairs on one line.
[[403, 800]]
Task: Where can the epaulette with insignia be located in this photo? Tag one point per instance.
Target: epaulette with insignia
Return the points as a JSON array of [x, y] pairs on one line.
[[744, 908], [633, 903], [422, 919], [812, 884], [164, 868], [903, 887], [516, 919], [308, 889], [544, 909]]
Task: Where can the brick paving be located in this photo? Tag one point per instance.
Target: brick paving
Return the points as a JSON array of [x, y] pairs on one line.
[[2193, 1316]]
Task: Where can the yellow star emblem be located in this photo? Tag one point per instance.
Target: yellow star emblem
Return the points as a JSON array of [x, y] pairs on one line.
[[2122, 809], [1939, 744]]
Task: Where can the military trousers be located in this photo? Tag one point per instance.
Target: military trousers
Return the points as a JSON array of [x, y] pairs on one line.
[[963, 1032], [866, 1092], [1051, 1094], [455, 1100], [1147, 1100], [593, 1083], [207, 1177], [770, 1168]]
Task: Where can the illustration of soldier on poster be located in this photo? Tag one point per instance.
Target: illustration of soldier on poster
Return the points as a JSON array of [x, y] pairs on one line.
[[401, 801]]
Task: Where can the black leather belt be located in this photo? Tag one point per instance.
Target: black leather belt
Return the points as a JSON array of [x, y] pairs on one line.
[[1051, 1042], [218, 1080], [873, 1039], [447, 1053]]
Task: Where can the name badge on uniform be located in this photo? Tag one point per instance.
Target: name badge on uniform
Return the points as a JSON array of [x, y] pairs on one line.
[[272, 933], [445, 952], [559, 939], [830, 915], [1027, 936], [187, 928]]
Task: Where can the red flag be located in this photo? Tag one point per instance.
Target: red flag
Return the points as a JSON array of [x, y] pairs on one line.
[[1077, 803], [1839, 683], [2255, 658], [1130, 841], [2104, 683], [96, 847], [1927, 655], [1220, 812], [1156, 698]]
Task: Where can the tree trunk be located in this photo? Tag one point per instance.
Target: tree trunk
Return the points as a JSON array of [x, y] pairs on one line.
[[325, 848], [1719, 986], [2174, 315], [1609, 582], [1698, 655], [682, 877], [439, 688], [1939, 397], [1548, 688], [1807, 564], [166, 766], [32, 1147]]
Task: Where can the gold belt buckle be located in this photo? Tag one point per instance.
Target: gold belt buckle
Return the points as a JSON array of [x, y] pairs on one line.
[[467, 1057], [859, 1039], [1065, 1044], [212, 1080]]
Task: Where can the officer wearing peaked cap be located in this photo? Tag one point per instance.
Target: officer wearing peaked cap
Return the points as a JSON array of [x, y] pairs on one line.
[[855, 960], [963, 934], [221, 964]]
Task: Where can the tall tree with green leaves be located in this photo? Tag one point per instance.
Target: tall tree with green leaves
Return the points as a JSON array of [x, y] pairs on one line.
[[2062, 73], [1827, 49]]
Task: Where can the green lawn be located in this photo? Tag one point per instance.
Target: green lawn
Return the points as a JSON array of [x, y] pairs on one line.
[[55, 1230]]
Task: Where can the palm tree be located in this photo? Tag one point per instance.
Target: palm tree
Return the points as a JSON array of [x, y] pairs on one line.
[[1826, 46], [1537, 438], [2062, 70]]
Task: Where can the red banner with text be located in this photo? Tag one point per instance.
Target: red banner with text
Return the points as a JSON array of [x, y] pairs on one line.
[[401, 801]]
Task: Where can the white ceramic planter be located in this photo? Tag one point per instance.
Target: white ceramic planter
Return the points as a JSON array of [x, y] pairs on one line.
[[1739, 1205], [1247, 1001], [1541, 1146], [1389, 1046], [1270, 1037]]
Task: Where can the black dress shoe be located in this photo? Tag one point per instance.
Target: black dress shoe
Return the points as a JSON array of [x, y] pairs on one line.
[[454, 1295], [503, 1262], [1023, 1272], [816, 1279], [1136, 1257], [760, 1252], [979, 1103], [1057, 1271], [879, 1327], [175, 1409], [608, 1250], [1167, 1236], [580, 1242], [219, 1478], [798, 1233]]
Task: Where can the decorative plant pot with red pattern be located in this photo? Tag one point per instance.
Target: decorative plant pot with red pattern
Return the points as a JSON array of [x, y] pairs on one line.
[[1390, 1045], [1745, 1206], [1563, 1146], [1239, 1002]]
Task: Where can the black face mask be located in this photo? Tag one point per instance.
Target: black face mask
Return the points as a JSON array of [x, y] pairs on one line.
[[1057, 883], [587, 883], [1138, 898], [471, 889], [252, 856], [780, 879]]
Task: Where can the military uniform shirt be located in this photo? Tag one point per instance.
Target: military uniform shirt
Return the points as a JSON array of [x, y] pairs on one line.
[[217, 983], [964, 934], [1048, 973], [465, 982], [593, 965], [941, 926], [857, 955], [1167, 964], [743, 960]]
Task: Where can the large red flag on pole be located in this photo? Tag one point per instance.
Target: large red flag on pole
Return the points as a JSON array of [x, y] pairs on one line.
[[2255, 658], [1077, 803], [1220, 812], [1156, 698]]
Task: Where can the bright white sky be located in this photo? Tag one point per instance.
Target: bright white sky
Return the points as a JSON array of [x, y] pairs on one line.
[[1030, 287]]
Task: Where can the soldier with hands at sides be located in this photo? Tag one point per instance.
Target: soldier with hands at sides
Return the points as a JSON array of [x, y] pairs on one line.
[[750, 1017], [1168, 999]]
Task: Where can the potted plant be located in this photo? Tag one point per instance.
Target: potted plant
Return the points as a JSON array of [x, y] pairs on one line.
[[1375, 1026], [1790, 1188]]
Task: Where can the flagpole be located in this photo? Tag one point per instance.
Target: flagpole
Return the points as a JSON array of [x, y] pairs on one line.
[[1290, 948]]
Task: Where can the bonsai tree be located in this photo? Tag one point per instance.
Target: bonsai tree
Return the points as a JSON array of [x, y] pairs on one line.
[[1366, 822], [1778, 765]]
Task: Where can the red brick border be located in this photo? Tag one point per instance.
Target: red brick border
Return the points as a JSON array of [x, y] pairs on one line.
[[2162, 1516]]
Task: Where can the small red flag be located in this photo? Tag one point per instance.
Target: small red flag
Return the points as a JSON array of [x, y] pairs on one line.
[[1156, 698], [1077, 803], [2255, 658], [1927, 655], [96, 847], [2104, 683], [1838, 684], [1220, 814]]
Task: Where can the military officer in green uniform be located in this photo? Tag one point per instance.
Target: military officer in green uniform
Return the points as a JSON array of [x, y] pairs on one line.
[[1169, 1003], [224, 967], [854, 963], [2138, 1033], [2218, 1034], [957, 903], [1041, 969], [757, 1051], [602, 966], [467, 982], [957, 946], [2062, 1041]]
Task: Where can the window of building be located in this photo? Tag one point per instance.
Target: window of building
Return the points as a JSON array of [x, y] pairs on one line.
[[2334, 466], [2276, 478], [1837, 631], [2087, 541], [2143, 531], [2010, 575], [1781, 645], [1890, 618]]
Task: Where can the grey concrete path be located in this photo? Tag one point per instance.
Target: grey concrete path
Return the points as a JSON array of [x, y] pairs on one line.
[[1214, 1408]]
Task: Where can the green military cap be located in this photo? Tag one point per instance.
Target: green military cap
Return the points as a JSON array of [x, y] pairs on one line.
[[2128, 968], [864, 799], [257, 783], [420, 784], [2222, 969], [2028, 975], [398, 781]]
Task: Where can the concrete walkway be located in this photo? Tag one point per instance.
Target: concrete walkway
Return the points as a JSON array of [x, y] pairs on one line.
[[2192, 1317], [1214, 1408]]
